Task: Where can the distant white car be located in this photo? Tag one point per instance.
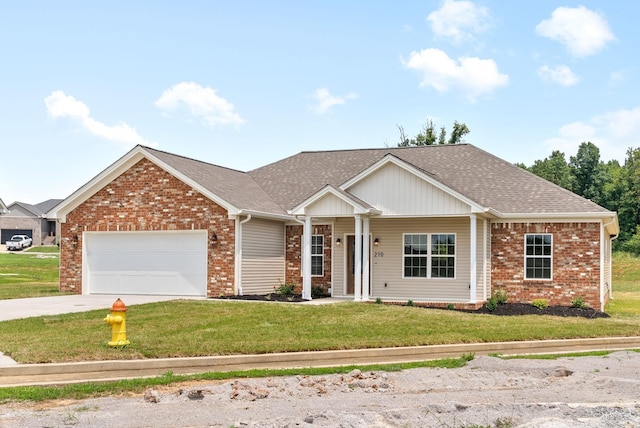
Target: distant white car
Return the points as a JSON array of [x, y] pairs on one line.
[[18, 242]]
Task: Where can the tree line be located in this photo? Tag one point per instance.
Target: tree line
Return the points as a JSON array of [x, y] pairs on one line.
[[611, 185]]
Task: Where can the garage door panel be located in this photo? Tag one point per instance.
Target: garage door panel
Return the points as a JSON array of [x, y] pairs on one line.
[[161, 263]]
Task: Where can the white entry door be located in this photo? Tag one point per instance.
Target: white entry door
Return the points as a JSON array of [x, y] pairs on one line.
[[156, 263]]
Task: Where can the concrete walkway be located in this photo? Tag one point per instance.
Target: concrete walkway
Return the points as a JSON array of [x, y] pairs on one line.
[[11, 309]]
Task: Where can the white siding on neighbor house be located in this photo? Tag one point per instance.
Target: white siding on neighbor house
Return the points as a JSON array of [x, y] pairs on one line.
[[329, 205], [387, 260], [263, 256], [396, 191]]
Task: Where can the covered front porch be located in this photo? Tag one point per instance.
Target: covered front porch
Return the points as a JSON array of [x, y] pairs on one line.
[[371, 257]]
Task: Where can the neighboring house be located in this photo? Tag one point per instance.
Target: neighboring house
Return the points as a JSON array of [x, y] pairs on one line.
[[3, 208], [444, 224], [30, 220]]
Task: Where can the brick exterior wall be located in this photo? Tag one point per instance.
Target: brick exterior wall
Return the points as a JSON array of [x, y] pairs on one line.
[[147, 198], [575, 263], [293, 273]]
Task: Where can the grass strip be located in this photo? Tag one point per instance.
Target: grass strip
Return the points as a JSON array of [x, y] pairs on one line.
[[557, 356], [101, 389]]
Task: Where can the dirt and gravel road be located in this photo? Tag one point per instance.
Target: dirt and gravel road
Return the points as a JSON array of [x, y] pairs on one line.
[[488, 392]]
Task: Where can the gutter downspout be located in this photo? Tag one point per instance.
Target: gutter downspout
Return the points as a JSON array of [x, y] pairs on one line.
[[238, 244]]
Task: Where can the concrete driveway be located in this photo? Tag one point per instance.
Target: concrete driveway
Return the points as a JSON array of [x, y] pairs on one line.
[[37, 306]]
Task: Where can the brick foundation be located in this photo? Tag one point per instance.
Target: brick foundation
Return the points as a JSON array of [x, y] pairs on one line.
[[576, 263], [147, 198]]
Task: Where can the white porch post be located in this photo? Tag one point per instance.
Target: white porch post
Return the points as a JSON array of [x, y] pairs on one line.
[[365, 259], [357, 264], [306, 259], [473, 283], [485, 257]]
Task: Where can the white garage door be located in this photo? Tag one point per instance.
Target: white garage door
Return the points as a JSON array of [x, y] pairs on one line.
[[160, 263]]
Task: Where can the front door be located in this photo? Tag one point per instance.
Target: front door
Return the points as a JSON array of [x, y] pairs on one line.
[[351, 264]]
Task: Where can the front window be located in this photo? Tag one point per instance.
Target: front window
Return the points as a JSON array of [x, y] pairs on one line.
[[538, 256], [429, 256], [317, 255], [415, 256], [443, 256]]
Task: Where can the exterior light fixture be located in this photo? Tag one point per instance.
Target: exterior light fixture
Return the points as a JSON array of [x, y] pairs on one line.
[[338, 242], [376, 242], [214, 239]]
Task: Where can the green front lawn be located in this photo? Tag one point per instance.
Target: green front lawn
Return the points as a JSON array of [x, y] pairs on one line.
[[28, 275], [197, 328]]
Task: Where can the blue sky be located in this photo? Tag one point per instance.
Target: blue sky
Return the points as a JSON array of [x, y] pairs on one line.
[[245, 83]]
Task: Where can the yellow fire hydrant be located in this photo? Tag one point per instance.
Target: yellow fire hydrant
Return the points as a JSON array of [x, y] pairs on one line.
[[118, 321]]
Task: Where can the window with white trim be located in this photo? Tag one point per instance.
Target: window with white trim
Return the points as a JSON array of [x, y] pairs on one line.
[[317, 255], [443, 255], [538, 255], [429, 255]]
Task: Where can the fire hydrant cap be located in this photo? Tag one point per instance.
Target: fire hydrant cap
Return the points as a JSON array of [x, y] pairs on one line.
[[118, 306]]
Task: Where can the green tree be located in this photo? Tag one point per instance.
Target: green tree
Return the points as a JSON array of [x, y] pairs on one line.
[[628, 196], [589, 172], [458, 132], [428, 136], [555, 169]]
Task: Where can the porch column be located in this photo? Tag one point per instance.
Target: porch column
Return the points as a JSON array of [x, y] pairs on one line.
[[357, 263], [473, 283], [306, 260], [365, 259], [485, 266]]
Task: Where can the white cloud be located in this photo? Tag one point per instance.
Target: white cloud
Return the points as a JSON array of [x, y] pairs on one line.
[[325, 100], [582, 31], [472, 75], [613, 133], [201, 102], [459, 20], [617, 77], [59, 105], [561, 75]]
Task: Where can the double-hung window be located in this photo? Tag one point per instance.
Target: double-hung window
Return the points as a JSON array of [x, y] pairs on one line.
[[538, 255], [429, 255], [317, 255]]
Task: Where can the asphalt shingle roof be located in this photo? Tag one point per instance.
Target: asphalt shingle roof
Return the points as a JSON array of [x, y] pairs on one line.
[[236, 187], [485, 179], [480, 176]]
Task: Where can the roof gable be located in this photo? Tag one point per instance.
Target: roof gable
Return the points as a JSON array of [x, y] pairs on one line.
[[331, 201], [231, 189], [396, 188]]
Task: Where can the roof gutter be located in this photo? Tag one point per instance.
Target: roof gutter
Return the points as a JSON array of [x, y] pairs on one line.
[[265, 215]]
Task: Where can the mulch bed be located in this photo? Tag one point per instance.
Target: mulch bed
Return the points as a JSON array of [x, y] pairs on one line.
[[502, 310], [271, 297], [528, 309]]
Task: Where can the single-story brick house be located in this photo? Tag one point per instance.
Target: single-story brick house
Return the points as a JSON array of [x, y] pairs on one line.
[[21, 218], [444, 224]]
